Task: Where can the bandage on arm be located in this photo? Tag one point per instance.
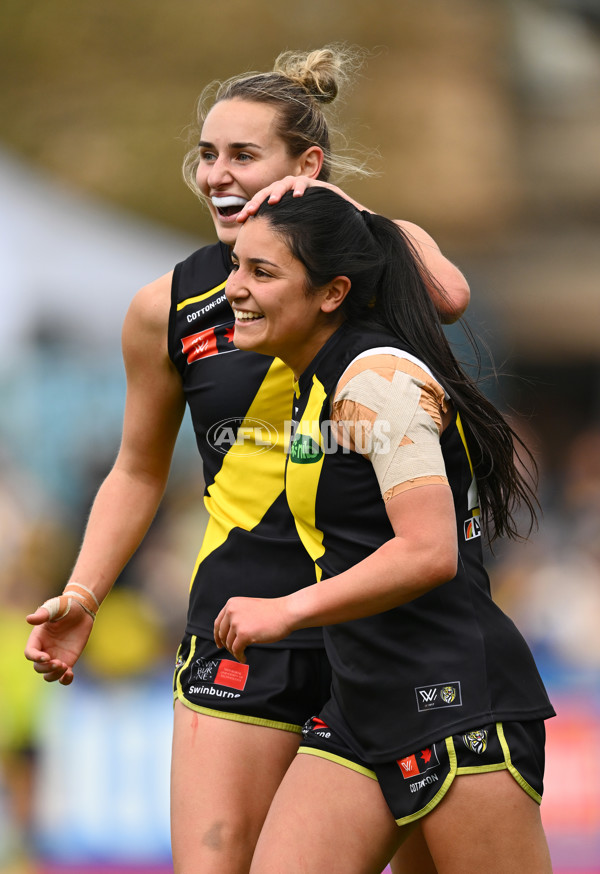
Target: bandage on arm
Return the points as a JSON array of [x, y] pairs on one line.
[[388, 407], [59, 606]]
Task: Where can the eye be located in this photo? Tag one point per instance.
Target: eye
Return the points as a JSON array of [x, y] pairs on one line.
[[262, 273], [207, 155]]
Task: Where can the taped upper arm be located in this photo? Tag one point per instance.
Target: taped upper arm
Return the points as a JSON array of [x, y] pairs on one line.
[[388, 407]]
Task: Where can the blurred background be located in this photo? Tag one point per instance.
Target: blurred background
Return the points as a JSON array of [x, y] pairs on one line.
[[483, 122]]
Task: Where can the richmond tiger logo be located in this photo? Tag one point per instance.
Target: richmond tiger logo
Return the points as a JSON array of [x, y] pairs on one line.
[[476, 741], [448, 694]]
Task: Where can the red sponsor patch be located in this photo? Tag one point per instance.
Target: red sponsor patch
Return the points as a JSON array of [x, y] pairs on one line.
[[409, 767], [208, 342], [418, 763], [200, 345], [232, 674]]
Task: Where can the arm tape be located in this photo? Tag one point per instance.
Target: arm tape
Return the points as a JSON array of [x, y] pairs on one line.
[[59, 606]]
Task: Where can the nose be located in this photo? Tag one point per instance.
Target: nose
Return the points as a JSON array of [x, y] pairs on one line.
[[218, 173], [235, 288]]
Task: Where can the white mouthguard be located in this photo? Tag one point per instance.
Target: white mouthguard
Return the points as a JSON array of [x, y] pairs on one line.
[[228, 201]]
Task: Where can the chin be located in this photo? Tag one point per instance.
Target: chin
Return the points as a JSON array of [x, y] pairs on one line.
[[250, 346], [226, 233], [241, 344]]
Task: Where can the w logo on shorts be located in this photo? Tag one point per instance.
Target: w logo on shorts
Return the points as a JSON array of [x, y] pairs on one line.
[[419, 762]]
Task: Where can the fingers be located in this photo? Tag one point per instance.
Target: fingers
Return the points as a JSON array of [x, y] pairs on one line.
[[41, 615], [52, 669], [35, 655], [219, 642], [273, 193], [226, 636], [236, 647], [48, 667]]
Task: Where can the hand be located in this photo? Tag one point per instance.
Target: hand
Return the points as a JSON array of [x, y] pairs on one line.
[[275, 191], [244, 621], [54, 647]]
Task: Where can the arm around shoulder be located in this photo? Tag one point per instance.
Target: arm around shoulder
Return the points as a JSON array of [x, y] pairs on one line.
[[449, 290]]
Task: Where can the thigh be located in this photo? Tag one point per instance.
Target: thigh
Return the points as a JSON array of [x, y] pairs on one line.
[[487, 823], [413, 857], [326, 817], [224, 774]]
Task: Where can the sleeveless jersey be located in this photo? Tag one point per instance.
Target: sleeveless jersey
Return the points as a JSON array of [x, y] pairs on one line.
[[240, 405], [446, 661]]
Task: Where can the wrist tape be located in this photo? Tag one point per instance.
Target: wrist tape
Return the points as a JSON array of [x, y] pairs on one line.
[[59, 606]]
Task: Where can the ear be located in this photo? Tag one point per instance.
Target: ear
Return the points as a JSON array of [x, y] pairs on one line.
[[334, 294], [311, 162]]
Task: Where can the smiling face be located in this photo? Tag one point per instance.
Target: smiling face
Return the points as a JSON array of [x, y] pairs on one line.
[[275, 314], [240, 153]]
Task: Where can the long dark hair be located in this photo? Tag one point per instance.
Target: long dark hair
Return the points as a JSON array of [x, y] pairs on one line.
[[332, 238]]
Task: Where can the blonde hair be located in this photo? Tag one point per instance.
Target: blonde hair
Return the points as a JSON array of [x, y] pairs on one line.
[[299, 85]]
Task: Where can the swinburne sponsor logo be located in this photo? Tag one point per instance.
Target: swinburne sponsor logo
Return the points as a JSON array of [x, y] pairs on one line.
[[230, 674], [210, 690]]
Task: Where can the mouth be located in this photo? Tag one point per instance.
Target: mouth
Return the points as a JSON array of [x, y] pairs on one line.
[[228, 207], [246, 316]]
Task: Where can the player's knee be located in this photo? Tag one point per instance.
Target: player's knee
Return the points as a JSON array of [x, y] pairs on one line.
[[217, 845], [222, 835]]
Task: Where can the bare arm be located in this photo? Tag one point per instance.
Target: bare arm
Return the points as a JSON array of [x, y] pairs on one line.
[[401, 569], [455, 295], [129, 496], [453, 299]]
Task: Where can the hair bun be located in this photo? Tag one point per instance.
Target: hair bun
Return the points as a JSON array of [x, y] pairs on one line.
[[322, 72]]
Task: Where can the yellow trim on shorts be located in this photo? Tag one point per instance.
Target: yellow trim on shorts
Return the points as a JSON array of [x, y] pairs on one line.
[[220, 714], [506, 765], [178, 691], [518, 777], [339, 760], [175, 668], [405, 820], [239, 717], [482, 769]]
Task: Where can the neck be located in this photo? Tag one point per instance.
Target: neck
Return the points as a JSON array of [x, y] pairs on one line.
[[299, 360]]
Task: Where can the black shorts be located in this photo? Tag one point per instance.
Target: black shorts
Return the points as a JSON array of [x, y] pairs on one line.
[[277, 688], [414, 785]]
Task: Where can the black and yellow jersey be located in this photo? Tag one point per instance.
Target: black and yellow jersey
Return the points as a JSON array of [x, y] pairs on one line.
[[444, 662], [240, 405]]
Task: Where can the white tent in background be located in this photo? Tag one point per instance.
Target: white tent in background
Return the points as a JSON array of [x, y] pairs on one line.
[[69, 262]]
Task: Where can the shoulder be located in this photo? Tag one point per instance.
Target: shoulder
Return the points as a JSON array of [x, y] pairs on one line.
[[386, 365], [151, 304], [147, 320]]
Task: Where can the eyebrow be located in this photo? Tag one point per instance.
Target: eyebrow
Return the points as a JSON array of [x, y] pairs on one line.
[[203, 144], [256, 260]]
